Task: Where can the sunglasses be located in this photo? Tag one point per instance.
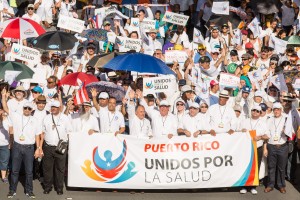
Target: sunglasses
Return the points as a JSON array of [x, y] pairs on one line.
[[254, 110], [157, 53], [237, 111], [27, 108], [201, 49], [203, 107], [179, 104], [244, 59], [49, 82], [30, 8]]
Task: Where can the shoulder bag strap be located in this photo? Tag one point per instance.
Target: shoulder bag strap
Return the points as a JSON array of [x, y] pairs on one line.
[[55, 126]]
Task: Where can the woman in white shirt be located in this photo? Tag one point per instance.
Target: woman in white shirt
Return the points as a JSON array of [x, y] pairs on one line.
[[65, 7]]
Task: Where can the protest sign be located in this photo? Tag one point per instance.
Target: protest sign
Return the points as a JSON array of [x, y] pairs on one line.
[[109, 12], [255, 76], [1, 5], [221, 8], [175, 55], [25, 53], [296, 84], [147, 24], [70, 23], [280, 45], [159, 84], [127, 44], [254, 27], [229, 80], [197, 37], [175, 18], [161, 163]]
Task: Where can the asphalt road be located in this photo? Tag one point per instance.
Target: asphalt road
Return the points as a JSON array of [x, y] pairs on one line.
[[218, 194]]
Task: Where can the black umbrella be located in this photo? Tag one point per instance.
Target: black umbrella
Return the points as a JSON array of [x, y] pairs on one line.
[[266, 7], [219, 20], [55, 40], [100, 60]]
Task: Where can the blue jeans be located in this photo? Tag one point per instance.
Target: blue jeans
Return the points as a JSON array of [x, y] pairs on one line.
[[4, 157], [22, 153]]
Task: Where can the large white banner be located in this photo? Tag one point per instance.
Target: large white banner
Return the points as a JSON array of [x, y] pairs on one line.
[[175, 18], [25, 53], [159, 84], [127, 44], [106, 161], [70, 23]]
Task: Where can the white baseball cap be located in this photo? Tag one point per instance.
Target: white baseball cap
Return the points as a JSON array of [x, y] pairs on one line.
[[28, 104], [55, 103], [194, 105], [103, 95], [164, 103], [277, 105], [256, 107], [258, 93]]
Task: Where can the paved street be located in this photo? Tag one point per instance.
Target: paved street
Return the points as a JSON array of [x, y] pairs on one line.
[[292, 194]]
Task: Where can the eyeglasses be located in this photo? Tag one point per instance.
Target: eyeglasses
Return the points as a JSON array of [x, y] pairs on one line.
[[157, 53], [30, 8], [179, 104], [204, 107], [27, 108], [286, 101], [49, 82], [254, 110]]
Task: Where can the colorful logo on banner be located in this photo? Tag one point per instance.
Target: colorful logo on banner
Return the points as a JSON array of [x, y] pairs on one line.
[[135, 24], [250, 175], [149, 85], [108, 170], [16, 51], [168, 16]]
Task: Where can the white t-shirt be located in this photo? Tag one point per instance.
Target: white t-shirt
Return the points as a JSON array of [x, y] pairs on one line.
[[15, 106], [110, 122], [83, 125], [33, 17], [184, 4], [44, 10]]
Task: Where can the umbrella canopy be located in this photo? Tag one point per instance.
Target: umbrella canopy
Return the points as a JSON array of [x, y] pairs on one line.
[[112, 89], [293, 40], [100, 60], [265, 7], [55, 40], [138, 62], [219, 20], [20, 28], [95, 34], [77, 78], [26, 72]]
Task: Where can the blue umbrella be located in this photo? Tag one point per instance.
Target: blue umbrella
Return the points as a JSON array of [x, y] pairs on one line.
[[138, 62]]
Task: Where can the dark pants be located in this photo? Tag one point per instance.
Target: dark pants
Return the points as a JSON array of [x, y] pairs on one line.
[[53, 168], [22, 153], [292, 163], [277, 159]]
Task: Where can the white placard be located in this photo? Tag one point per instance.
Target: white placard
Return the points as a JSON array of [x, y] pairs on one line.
[[175, 55], [1, 5], [296, 84], [159, 84], [127, 44], [175, 18], [229, 80], [25, 53], [70, 23], [128, 162], [197, 37], [148, 24], [280, 45], [221, 8]]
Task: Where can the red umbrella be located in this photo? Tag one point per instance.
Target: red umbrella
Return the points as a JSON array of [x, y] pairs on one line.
[[77, 79], [20, 28]]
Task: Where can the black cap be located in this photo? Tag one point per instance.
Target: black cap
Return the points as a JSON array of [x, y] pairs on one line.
[[263, 106], [204, 59], [91, 45], [182, 82], [150, 97], [233, 52], [274, 57]]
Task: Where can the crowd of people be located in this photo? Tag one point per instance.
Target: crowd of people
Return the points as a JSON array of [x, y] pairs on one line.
[[36, 116]]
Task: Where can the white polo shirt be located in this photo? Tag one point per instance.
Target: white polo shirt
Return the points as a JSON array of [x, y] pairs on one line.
[[221, 118], [83, 125], [110, 122], [63, 125], [259, 125], [15, 106], [25, 128], [275, 130], [193, 124], [138, 127], [34, 17]]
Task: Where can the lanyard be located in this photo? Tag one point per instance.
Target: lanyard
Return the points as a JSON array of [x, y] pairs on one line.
[[25, 124], [142, 124], [110, 120], [163, 121], [276, 126], [253, 128], [222, 114]]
